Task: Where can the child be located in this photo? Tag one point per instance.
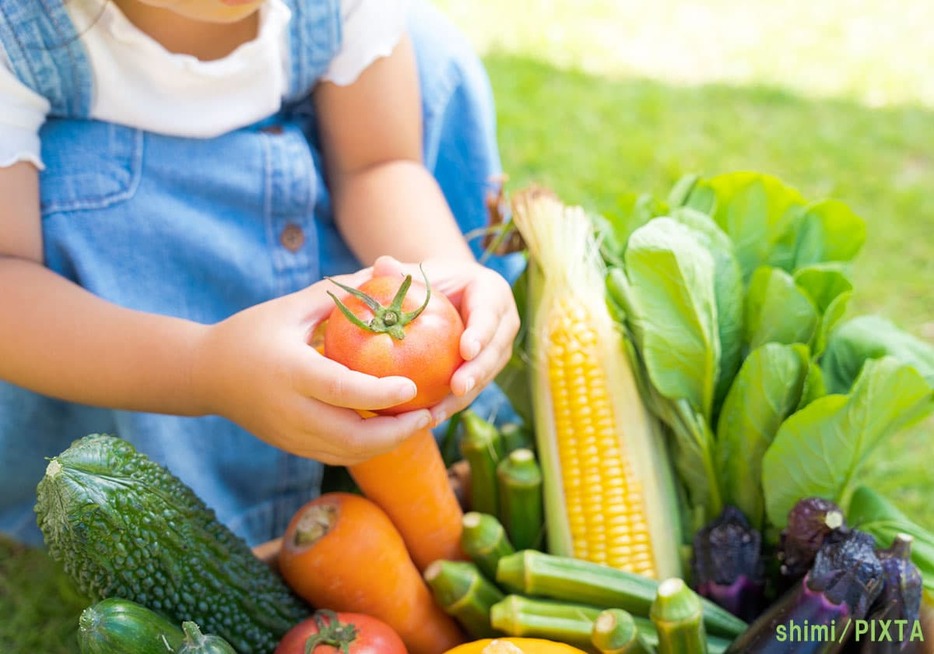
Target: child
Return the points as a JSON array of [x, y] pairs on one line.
[[176, 178]]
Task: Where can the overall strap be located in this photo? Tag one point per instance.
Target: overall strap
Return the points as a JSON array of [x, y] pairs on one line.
[[46, 53], [315, 37]]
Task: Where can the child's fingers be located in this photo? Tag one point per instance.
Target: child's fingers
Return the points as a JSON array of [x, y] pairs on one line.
[[333, 383], [349, 438], [388, 266], [481, 370]]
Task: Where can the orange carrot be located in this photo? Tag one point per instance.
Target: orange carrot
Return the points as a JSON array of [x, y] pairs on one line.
[[341, 552], [411, 485]]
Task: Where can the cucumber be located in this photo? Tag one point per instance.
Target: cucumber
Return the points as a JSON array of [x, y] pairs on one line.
[[118, 626], [124, 526]]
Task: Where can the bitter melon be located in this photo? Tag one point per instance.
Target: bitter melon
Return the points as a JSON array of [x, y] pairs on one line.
[[124, 526]]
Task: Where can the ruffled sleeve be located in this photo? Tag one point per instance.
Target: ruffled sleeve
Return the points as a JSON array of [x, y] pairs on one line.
[[22, 113], [371, 29]]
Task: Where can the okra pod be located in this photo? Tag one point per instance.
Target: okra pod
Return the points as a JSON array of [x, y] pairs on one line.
[[537, 618], [484, 540], [678, 618], [516, 436], [462, 591], [574, 580], [521, 503], [482, 447], [615, 632], [568, 622]]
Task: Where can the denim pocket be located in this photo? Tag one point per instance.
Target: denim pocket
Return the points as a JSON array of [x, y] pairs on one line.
[[88, 164]]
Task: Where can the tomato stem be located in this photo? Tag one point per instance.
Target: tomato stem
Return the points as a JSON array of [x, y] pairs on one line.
[[331, 631], [386, 320]]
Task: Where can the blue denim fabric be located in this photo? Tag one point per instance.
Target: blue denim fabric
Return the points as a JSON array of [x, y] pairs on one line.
[[193, 228]]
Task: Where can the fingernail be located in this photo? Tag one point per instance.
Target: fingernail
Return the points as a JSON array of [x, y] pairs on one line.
[[407, 390], [423, 421], [473, 349], [469, 384], [440, 417]]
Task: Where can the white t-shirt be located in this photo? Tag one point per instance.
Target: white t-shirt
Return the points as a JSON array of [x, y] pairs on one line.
[[140, 84]]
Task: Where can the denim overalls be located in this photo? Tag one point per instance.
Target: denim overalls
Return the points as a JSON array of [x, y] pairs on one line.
[[202, 228]]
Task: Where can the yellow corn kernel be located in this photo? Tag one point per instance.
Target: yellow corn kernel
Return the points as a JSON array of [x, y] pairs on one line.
[[597, 475], [609, 495]]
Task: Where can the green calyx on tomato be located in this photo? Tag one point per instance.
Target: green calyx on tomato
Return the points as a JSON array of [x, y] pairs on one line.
[[386, 320], [331, 631]]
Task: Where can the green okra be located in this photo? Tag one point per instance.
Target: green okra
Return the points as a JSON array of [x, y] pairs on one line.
[[677, 615], [484, 540], [569, 622], [516, 436], [565, 622], [575, 580], [482, 447], [615, 632], [464, 593], [521, 502]]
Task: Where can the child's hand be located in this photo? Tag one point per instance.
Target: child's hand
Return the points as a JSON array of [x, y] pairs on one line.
[[484, 299], [257, 369]]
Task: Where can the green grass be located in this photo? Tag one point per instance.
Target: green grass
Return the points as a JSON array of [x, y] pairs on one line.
[[39, 605], [637, 121]]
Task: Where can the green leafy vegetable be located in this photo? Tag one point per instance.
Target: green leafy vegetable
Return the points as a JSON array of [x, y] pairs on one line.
[[819, 450], [728, 291], [871, 337], [830, 290], [767, 390], [777, 311], [671, 305], [758, 212], [829, 231]]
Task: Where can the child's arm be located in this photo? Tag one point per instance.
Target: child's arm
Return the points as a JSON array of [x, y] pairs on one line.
[[387, 203], [63, 341], [385, 200], [255, 368]]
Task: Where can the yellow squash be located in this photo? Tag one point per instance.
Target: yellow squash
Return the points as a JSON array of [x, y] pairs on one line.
[[514, 646]]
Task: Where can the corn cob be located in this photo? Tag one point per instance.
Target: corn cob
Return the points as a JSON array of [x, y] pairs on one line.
[[608, 489]]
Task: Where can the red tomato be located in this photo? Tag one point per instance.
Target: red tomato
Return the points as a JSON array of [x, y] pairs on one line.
[[423, 347], [361, 634]]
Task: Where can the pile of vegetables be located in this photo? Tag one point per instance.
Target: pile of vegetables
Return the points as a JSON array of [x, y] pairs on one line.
[[695, 407], [730, 302]]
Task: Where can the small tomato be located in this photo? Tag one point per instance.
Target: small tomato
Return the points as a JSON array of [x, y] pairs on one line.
[[327, 632], [384, 328]]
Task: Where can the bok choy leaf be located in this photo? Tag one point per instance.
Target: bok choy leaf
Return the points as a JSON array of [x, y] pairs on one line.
[[767, 390], [820, 450]]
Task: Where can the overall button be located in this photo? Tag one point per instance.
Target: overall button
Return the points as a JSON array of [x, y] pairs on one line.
[[292, 237], [271, 129]]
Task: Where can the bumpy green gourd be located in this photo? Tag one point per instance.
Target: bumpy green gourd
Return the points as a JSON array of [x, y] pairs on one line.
[[124, 526]]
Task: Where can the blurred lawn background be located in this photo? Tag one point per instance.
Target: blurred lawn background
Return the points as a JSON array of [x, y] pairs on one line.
[[602, 99], [598, 99]]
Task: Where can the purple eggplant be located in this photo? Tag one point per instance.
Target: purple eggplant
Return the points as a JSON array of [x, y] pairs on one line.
[[810, 521], [814, 616], [727, 565], [900, 599]]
